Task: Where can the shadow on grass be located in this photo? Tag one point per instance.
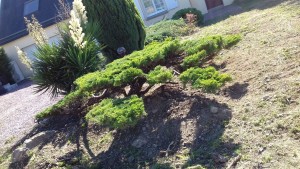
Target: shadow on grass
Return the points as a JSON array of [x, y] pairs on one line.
[[240, 6], [236, 91], [179, 123], [176, 121]]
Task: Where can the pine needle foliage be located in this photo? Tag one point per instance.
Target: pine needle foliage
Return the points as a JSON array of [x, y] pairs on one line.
[[165, 29], [120, 25], [160, 74], [118, 113], [5, 66], [151, 65], [208, 79]]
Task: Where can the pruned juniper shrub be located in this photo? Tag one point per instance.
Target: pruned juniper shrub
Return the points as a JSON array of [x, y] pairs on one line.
[[229, 41], [151, 66], [182, 14], [160, 74], [118, 113], [167, 28], [208, 79], [193, 60]]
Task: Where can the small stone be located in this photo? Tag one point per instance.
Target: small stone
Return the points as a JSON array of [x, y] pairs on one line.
[[265, 98], [214, 109], [167, 94], [44, 122], [38, 139], [144, 128], [219, 158], [139, 142], [19, 155], [154, 111], [131, 159]]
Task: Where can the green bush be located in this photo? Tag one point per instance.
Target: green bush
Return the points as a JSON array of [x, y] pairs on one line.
[[182, 14], [210, 44], [148, 66], [166, 28], [58, 66], [231, 40], [159, 75], [120, 25], [152, 54], [118, 113], [5, 67], [193, 60], [208, 79]]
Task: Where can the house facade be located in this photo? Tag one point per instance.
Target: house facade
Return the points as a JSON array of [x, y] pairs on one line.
[[153, 11], [13, 29]]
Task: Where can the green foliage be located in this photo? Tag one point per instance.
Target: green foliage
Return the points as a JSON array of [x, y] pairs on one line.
[[118, 113], [116, 72], [67, 100], [120, 25], [182, 14], [147, 65], [166, 28], [210, 44], [193, 60], [159, 75], [208, 79], [231, 40], [127, 76], [59, 65], [5, 67]]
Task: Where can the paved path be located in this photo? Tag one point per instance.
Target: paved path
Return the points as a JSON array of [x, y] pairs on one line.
[[17, 111], [222, 11]]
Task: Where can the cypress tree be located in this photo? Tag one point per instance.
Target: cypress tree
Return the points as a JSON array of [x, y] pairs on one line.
[[120, 25], [5, 67]]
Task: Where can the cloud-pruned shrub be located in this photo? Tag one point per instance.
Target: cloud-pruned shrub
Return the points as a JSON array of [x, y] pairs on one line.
[[154, 64]]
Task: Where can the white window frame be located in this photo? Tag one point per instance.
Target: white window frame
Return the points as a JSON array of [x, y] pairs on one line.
[[27, 4], [30, 49], [156, 13]]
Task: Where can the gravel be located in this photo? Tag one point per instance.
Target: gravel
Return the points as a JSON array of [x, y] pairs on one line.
[[17, 111]]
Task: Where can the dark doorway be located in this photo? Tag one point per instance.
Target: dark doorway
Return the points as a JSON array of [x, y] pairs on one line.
[[213, 3]]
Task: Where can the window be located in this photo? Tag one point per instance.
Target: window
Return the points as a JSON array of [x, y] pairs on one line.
[[31, 6], [153, 7], [29, 50]]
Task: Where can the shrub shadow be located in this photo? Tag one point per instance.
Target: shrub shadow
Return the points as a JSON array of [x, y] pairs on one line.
[[236, 91], [239, 6], [176, 121]]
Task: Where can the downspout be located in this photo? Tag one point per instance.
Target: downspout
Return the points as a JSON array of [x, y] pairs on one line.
[[189, 1]]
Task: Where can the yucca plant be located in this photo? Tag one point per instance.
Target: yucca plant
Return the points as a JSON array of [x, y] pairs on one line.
[[77, 53]]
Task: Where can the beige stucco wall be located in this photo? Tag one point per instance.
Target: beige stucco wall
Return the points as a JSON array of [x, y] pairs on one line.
[[181, 4], [22, 43], [200, 5], [227, 2]]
